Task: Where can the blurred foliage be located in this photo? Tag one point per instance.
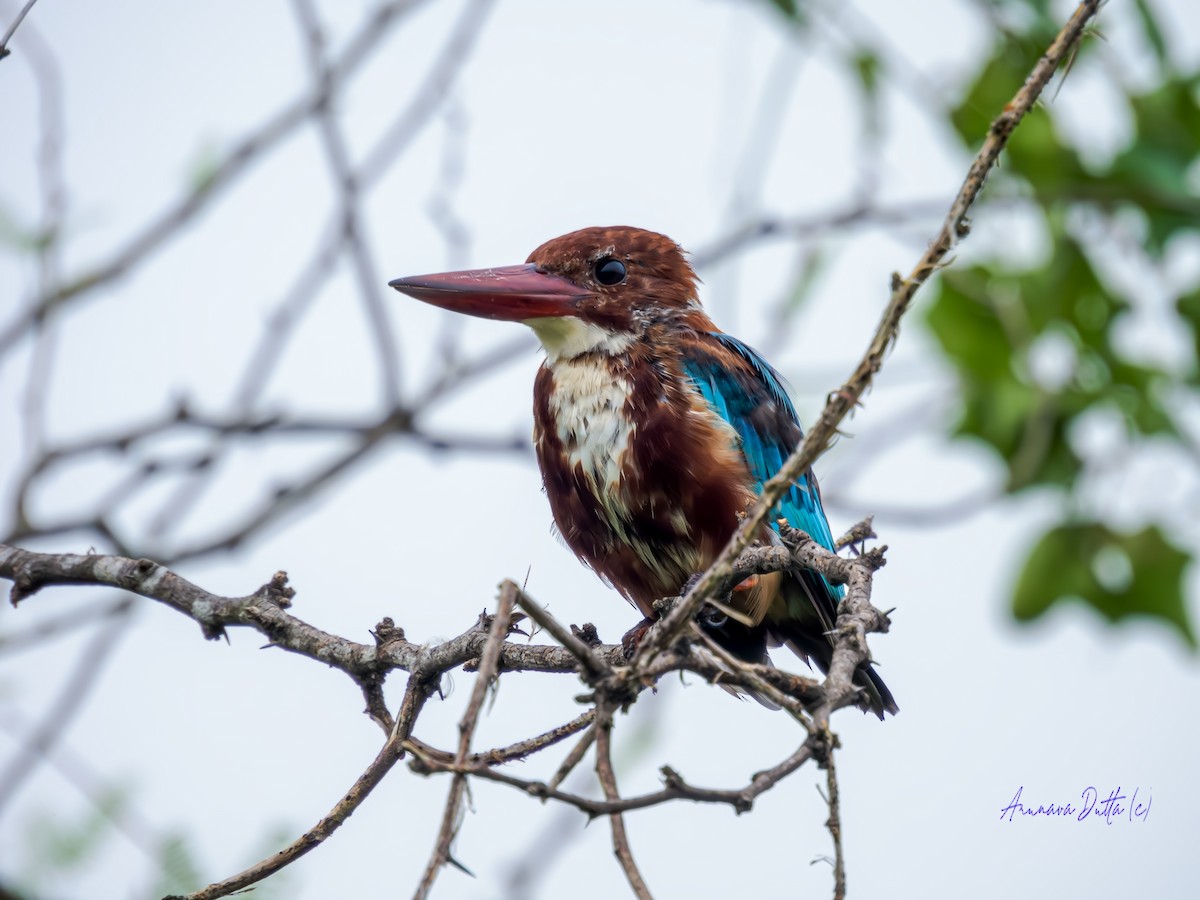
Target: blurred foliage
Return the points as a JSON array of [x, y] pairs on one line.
[[60, 849], [57, 846], [994, 322], [1121, 575], [1037, 348]]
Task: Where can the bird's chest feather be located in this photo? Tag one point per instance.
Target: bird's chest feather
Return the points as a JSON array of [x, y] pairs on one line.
[[590, 411], [644, 482]]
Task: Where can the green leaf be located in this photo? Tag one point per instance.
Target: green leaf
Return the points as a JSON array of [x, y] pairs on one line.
[[1188, 307], [1152, 173], [204, 168], [990, 321], [1037, 153], [178, 870], [812, 264], [866, 66], [791, 9], [1154, 35], [1119, 575], [967, 326], [57, 845], [995, 85], [21, 238]]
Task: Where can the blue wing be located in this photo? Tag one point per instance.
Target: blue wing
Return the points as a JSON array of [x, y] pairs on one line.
[[752, 399], [748, 394]]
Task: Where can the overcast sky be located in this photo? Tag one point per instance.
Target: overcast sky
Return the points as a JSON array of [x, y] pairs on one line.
[[565, 115]]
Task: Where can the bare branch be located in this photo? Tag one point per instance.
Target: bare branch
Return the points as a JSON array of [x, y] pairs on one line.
[[521, 749], [497, 632], [346, 181], [608, 781], [614, 683], [834, 823], [415, 695], [593, 666], [575, 757], [859, 215], [856, 534], [169, 223], [844, 400], [12, 29]]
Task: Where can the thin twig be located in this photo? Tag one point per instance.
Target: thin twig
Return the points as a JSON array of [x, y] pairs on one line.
[[844, 400], [834, 822], [593, 666], [416, 694], [501, 755], [345, 180], [12, 29], [608, 782], [52, 188], [818, 225], [171, 221], [429, 760], [575, 757], [488, 667]]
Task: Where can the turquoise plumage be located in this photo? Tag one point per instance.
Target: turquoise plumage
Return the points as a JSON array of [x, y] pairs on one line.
[[655, 431]]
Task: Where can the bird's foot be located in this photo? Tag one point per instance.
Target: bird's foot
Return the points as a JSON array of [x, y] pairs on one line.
[[632, 639]]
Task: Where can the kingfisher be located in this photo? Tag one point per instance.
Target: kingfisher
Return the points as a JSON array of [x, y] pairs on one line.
[[655, 431]]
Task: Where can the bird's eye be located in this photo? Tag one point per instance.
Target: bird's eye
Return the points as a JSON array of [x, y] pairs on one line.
[[610, 271]]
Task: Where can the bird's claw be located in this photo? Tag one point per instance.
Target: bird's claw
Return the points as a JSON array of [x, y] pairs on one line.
[[632, 639]]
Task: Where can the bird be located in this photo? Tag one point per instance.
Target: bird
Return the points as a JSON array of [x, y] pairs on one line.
[[654, 431]]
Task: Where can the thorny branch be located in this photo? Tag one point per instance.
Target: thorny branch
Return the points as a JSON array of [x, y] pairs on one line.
[[416, 694], [613, 682], [834, 824], [841, 402], [608, 782], [189, 476], [488, 666]]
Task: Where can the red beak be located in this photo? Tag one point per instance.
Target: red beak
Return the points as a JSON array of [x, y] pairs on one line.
[[511, 293]]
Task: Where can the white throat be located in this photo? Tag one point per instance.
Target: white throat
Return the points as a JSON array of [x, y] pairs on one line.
[[566, 337]]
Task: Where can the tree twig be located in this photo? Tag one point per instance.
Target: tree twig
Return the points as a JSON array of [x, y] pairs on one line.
[[171, 220], [12, 29], [500, 755], [608, 782], [594, 667], [416, 693], [834, 822], [497, 632], [841, 402], [575, 757]]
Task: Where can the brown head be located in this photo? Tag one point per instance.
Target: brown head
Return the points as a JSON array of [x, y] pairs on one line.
[[587, 290]]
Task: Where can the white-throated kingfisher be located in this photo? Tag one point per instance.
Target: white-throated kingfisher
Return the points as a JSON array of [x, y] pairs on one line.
[[655, 431]]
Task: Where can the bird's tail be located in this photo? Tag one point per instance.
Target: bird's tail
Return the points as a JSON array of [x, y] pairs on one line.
[[808, 642], [818, 650], [803, 619], [878, 696]]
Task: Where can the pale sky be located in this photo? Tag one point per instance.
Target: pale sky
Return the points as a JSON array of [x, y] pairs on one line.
[[575, 114]]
